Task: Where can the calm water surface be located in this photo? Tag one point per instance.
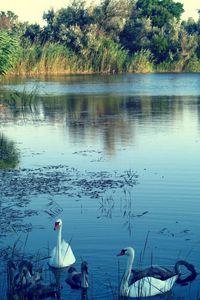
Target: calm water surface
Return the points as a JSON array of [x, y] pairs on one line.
[[141, 127]]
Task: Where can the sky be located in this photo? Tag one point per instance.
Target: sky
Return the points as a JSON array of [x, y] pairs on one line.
[[32, 10]]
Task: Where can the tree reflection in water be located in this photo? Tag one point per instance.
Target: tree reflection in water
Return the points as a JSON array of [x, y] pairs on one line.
[[112, 118]]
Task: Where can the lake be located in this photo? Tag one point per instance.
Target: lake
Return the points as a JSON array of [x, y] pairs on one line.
[[117, 159]]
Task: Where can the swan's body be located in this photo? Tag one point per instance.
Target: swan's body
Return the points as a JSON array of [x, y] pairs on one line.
[[145, 284], [61, 255], [77, 279]]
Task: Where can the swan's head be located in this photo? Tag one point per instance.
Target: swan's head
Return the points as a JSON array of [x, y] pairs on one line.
[[129, 251], [58, 224]]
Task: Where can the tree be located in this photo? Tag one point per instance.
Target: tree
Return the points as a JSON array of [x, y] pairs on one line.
[[74, 15], [8, 20], [190, 26], [32, 32], [60, 23], [160, 11], [110, 16], [137, 34]]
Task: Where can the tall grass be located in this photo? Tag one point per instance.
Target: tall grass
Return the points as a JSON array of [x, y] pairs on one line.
[[9, 52], [102, 55], [141, 62], [105, 56], [50, 58], [193, 65]]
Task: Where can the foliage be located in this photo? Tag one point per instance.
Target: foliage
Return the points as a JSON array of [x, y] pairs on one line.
[[110, 15], [32, 33], [193, 65], [160, 11], [8, 20], [59, 23], [136, 34], [112, 36], [72, 37], [104, 55], [141, 62], [50, 58], [9, 52]]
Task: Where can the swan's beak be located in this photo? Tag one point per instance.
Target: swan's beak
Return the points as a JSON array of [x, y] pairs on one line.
[[122, 252]]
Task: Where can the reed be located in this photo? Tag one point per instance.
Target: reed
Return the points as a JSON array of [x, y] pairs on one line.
[[141, 62], [9, 51], [104, 56], [180, 65], [192, 65], [50, 58]]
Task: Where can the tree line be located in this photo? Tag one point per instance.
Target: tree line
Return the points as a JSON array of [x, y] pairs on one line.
[[111, 37]]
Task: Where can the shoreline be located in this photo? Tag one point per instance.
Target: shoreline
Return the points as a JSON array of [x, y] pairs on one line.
[[33, 74]]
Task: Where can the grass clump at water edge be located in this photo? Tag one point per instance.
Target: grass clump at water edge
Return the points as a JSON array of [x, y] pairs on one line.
[[9, 156]]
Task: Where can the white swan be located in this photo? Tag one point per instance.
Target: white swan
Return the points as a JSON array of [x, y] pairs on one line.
[[146, 285], [61, 255]]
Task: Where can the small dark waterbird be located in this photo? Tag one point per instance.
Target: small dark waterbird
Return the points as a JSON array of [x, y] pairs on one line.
[[26, 276], [76, 279], [26, 283], [153, 280]]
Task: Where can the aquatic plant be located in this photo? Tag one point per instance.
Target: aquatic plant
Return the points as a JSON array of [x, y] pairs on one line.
[[27, 276], [9, 156]]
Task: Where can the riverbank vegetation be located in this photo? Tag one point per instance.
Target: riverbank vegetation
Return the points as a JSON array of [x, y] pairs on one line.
[[114, 36]]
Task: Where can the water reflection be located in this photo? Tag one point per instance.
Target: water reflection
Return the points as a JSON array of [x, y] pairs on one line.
[[112, 119], [151, 134], [18, 105], [9, 155]]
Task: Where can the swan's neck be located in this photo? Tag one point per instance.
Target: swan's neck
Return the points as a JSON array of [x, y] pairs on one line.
[[58, 248], [84, 280], [124, 288]]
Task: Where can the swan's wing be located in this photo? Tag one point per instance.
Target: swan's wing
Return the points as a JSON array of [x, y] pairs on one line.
[[67, 254], [150, 286], [157, 272]]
